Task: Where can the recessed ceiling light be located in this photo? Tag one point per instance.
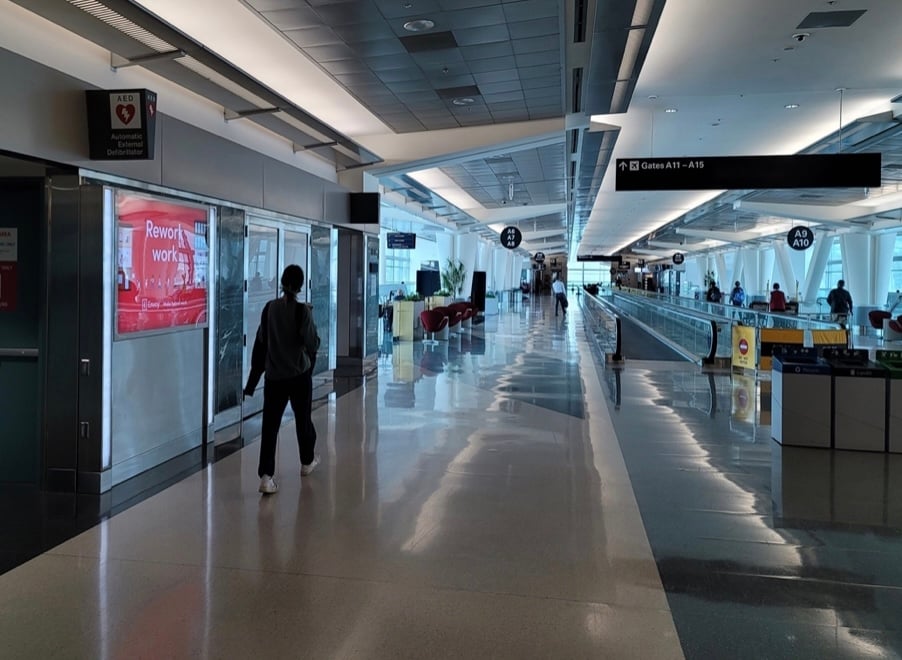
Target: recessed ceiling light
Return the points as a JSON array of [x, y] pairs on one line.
[[463, 100], [419, 25], [791, 106], [652, 97], [670, 110]]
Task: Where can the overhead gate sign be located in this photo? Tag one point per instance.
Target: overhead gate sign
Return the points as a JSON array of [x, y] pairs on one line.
[[749, 172]]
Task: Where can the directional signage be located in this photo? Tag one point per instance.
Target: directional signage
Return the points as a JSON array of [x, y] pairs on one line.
[[800, 238], [511, 237], [599, 257], [745, 172], [678, 258], [540, 257], [399, 241]]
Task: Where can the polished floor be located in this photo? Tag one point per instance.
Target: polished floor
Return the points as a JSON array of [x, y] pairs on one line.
[[502, 495]]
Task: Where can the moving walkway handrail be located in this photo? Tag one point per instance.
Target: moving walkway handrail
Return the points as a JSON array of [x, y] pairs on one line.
[[18, 353]]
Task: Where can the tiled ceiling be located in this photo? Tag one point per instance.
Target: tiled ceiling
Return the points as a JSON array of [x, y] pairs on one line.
[[529, 177], [481, 62]]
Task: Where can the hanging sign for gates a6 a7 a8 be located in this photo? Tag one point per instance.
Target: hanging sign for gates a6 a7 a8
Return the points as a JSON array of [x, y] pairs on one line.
[[511, 237], [800, 238]]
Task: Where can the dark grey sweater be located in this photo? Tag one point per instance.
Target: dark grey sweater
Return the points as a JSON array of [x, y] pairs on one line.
[[286, 342]]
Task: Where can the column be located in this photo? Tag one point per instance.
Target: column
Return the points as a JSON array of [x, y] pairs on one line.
[[720, 272], [787, 278], [751, 270], [766, 261], [857, 262], [816, 267], [467, 246], [884, 246]]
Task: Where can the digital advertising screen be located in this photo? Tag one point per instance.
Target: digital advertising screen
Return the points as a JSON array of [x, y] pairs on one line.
[[162, 261]]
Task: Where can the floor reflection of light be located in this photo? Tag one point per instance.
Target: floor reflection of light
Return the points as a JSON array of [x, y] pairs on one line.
[[103, 603], [429, 520]]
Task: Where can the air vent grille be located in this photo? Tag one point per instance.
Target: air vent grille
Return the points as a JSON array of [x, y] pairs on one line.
[[118, 21], [580, 11], [576, 101]]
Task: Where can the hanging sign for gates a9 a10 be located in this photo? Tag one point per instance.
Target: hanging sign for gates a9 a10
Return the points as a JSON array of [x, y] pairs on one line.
[[800, 238], [540, 257], [678, 258], [511, 237]]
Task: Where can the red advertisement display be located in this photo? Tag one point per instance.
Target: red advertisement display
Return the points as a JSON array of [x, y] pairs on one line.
[[162, 260]]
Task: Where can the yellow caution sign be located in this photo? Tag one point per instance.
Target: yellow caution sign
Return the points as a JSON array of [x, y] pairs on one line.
[[745, 354]]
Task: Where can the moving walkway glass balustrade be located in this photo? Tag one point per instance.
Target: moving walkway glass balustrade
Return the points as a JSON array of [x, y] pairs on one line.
[[744, 315], [601, 324], [691, 330]]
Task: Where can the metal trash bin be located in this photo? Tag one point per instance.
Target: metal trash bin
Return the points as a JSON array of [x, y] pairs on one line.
[[859, 400], [892, 362], [801, 385]]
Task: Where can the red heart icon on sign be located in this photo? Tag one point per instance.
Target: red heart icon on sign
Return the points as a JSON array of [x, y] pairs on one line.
[[125, 112]]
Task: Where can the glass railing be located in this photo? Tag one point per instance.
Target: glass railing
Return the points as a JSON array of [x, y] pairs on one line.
[[602, 326], [696, 334], [744, 315]]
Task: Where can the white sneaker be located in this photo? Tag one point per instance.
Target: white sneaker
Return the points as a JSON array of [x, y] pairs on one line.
[[310, 467], [267, 485]]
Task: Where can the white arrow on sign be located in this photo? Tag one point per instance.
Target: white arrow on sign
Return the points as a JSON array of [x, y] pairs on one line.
[[622, 166]]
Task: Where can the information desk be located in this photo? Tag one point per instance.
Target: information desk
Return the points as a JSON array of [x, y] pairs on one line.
[[800, 398], [859, 400]]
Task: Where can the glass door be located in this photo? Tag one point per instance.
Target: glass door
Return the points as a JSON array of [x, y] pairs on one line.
[[295, 252], [21, 281], [229, 324], [262, 286]]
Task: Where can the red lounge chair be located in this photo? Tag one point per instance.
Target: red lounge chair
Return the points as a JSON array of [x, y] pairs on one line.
[[433, 321]]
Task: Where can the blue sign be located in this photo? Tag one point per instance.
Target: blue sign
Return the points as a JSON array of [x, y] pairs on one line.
[[401, 241]]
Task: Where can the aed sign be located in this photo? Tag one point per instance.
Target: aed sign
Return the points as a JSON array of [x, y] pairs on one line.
[[121, 124], [800, 238]]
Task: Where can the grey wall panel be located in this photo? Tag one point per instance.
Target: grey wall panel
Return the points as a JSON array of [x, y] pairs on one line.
[[43, 114], [46, 118], [157, 399], [203, 163], [289, 190]]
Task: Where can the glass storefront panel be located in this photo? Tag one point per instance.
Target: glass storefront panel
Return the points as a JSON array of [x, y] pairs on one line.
[[262, 286], [229, 312], [319, 288], [296, 253]]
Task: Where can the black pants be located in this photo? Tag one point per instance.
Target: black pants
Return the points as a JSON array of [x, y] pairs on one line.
[[276, 395], [560, 299]]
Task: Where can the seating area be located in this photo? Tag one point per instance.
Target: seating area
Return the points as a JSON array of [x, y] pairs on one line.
[[442, 320], [882, 320]]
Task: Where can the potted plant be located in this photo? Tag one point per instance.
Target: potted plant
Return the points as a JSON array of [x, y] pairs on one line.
[[441, 298], [407, 317], [453, 277]]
